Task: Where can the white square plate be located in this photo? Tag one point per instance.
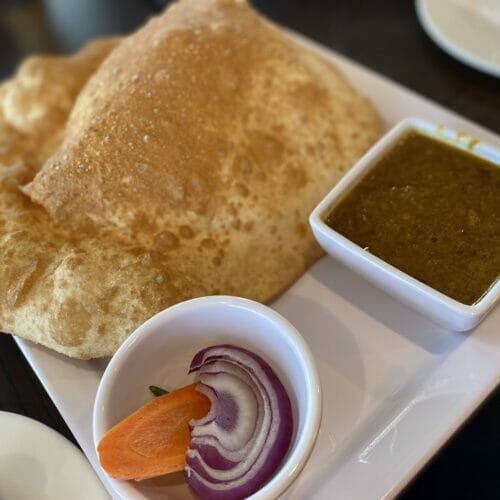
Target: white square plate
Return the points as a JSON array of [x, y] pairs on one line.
[[396, 386]]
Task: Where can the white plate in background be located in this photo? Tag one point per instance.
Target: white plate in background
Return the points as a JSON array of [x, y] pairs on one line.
[[38, 463], [468, 30], [395, 386]]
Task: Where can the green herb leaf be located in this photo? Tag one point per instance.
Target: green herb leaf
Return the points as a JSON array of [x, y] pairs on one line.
[[157, 391]]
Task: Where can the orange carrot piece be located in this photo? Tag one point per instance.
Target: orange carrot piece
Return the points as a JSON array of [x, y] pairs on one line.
[[153, 440]]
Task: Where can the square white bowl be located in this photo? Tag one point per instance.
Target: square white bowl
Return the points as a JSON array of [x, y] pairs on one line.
[[426, 300]]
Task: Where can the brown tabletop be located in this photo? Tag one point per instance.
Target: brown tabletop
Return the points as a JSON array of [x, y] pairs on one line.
[[381, 34]]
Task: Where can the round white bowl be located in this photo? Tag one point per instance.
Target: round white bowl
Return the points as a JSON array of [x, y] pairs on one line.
[[159, 353]]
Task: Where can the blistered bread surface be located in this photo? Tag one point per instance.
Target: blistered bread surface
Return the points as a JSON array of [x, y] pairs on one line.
[[188, 166]]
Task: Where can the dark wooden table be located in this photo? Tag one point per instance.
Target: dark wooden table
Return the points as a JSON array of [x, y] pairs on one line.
[[381, 34]]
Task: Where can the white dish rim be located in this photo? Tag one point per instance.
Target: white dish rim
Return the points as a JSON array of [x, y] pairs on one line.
[[464, 56], [60, 445]]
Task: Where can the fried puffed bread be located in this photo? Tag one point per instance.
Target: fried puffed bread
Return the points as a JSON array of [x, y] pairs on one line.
[[188, 166]]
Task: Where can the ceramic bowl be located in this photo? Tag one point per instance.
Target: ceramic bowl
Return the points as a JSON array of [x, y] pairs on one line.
[[435, 305], [159, 353]]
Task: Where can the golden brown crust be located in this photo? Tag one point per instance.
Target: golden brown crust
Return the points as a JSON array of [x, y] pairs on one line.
[[35, 104], [189, 166]]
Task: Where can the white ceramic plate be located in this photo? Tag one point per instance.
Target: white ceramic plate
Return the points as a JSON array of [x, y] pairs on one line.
[[37, 462], [395, 386], [468, 30]]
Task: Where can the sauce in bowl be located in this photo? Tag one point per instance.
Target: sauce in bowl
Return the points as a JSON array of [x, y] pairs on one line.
[[431, 210]]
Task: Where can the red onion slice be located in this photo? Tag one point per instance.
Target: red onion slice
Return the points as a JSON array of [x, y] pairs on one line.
[[238, 446]]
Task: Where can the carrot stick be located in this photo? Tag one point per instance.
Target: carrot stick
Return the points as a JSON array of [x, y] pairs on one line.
[[154, 439]]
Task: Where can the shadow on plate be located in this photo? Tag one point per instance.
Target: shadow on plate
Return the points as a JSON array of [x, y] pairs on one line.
[[342, 353], [386, 310], [173, 485]]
